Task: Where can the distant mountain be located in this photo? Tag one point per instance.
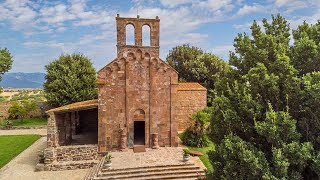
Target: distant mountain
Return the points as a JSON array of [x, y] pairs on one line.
[[22, 80]]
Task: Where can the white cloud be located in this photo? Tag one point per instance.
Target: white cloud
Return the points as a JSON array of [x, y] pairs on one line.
[[216, 6], [280, 3], [247, 9], [57, 14], [295, 22], [18, 13], [51, 44], [171, 3], [222, 50]]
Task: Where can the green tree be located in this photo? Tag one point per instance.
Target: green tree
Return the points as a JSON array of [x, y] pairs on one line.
[[5, 61], [5, 65], [309, 109], [70, 79], [263, 109], [306, 50], [194, 65]]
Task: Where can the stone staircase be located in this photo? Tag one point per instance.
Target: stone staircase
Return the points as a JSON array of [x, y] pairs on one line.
[[178, 172]]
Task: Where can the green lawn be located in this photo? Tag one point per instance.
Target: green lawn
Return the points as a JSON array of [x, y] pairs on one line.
[[11, 146], [28, 122], [204, 150]]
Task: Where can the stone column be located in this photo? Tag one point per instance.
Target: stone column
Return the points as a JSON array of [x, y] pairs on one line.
[[123, 139], [52, 132], [155, 144]]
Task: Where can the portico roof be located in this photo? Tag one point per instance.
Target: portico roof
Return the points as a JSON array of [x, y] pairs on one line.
[[83, 105]]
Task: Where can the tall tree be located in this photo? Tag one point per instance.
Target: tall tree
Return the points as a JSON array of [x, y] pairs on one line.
[[5, 61], [194, 65], [306, 50], [5, 65], [69, 79], [257, 110]]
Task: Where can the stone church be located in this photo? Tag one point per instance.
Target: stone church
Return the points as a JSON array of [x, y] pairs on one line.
[[140, 101]]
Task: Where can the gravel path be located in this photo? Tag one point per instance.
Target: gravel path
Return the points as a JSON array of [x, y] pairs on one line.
[[42, 132], [22, 167]]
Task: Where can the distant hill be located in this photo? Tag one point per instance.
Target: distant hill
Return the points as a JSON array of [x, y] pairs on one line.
[[22, 80]]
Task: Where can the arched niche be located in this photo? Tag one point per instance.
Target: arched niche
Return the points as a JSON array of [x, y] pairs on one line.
[[139, 114]]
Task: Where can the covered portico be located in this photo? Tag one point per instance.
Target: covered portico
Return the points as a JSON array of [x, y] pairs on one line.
[[73, 124]]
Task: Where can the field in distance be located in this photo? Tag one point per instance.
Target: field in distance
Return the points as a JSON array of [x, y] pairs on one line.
[[14, 94]]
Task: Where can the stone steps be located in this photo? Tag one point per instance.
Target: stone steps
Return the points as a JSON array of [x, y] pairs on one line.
[[148, 167], [187, 171]]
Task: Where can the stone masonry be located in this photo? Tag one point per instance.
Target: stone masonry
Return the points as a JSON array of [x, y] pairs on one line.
[[139, 82], [140, 102]]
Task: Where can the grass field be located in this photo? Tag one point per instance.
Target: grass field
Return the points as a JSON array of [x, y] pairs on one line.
[[204, 150], [27, 122], [11, 146]]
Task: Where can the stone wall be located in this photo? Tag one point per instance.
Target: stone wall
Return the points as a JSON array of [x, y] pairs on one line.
[[189, 102], [69, 166], [71, 153], [71, 157]]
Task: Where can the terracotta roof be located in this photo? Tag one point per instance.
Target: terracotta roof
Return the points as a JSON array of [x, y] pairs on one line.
[[76, 106], [190, 86]]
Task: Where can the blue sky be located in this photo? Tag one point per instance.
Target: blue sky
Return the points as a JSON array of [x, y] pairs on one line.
[[37, 31]]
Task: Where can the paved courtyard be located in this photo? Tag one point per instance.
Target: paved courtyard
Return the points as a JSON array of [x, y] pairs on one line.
[[152, 157]]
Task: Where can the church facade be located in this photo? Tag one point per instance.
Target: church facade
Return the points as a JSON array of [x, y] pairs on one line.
[[140, 101]]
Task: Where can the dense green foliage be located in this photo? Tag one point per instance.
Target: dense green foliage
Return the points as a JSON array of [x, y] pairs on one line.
[[5, 61], [5, 66], [265, 119], [194, 65], [20, 109], [11, 146], [307, 48], [197, 134], [70, 79]]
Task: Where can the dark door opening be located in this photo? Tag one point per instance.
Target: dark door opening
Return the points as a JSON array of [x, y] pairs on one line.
[[139, 132]]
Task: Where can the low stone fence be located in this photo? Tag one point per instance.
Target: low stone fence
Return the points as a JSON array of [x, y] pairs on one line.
[[71, 157]]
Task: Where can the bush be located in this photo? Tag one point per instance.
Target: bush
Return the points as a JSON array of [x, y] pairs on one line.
[[20, 109], [196, 135]]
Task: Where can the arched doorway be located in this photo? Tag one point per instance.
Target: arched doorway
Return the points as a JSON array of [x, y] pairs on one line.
[[139, 127]]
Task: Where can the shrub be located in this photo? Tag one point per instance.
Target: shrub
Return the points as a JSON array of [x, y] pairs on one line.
[[20, 109], [196, 135]]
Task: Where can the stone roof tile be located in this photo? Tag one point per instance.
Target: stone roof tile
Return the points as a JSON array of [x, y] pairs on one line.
[[76, 106], [190, 86]]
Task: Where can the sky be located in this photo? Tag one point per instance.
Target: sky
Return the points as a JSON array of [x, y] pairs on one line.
[[36, 32]]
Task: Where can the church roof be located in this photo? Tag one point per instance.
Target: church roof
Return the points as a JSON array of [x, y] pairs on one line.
[[185, 86], [83, 105]]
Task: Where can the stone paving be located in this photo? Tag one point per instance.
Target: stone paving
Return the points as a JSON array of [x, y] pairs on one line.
[[42, 132], [152, 157]]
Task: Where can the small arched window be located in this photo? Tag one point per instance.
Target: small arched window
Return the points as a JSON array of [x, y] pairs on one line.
[[146, 37], [130, 35]]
